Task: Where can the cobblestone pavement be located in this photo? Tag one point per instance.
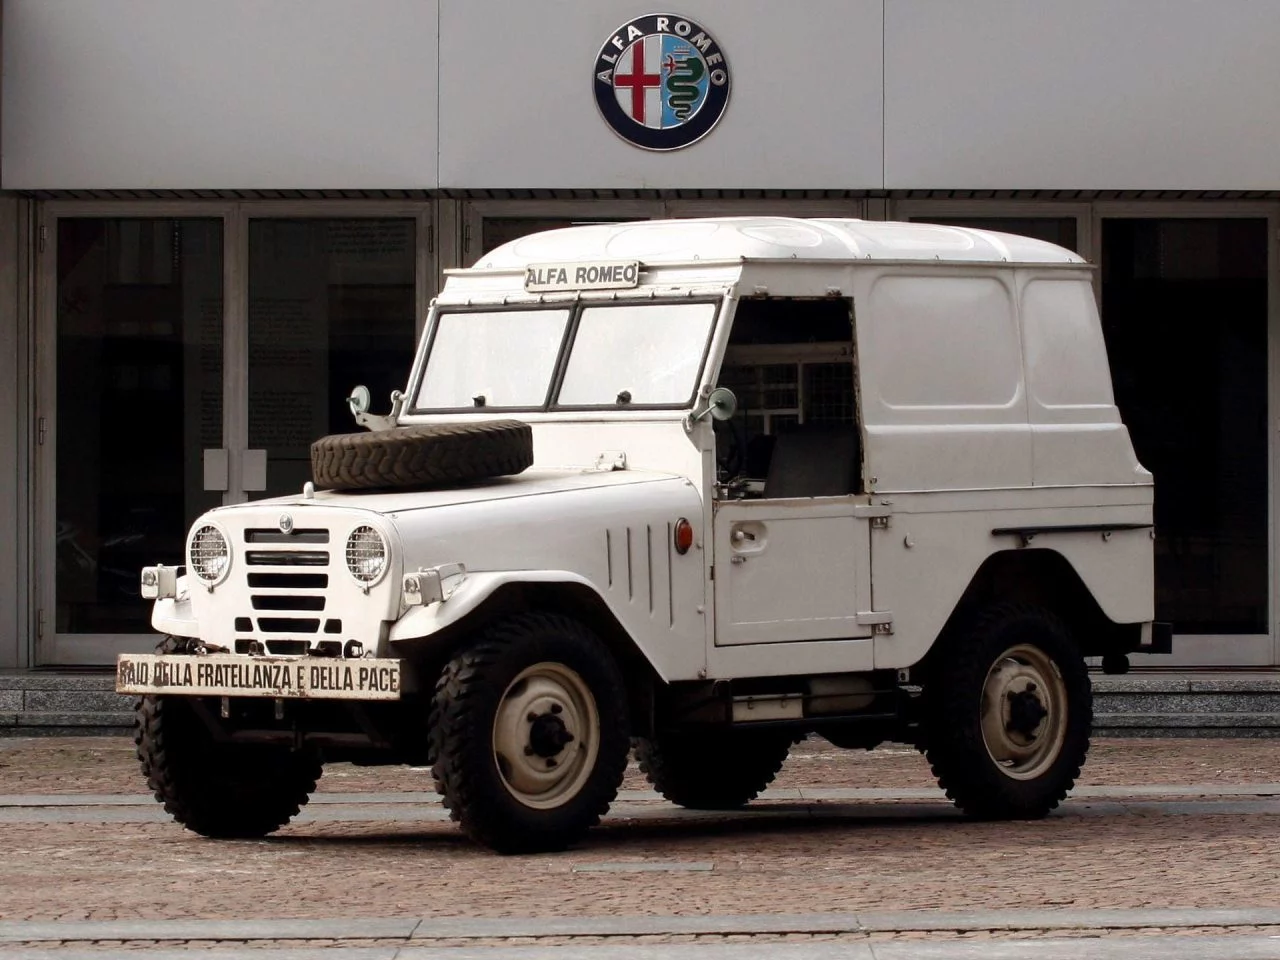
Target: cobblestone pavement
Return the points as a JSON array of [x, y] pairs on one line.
[[658, 865], [107, 765]]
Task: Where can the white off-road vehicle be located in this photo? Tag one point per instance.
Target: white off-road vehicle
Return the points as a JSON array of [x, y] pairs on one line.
[[703, 487]]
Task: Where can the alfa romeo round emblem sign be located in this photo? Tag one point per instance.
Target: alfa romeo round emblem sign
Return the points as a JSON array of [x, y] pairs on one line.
[[662, 82]]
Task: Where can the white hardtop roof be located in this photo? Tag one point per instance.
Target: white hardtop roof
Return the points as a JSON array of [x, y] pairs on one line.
[[771, 238]]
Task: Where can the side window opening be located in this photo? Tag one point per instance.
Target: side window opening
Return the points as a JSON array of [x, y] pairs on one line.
[[791, 364]]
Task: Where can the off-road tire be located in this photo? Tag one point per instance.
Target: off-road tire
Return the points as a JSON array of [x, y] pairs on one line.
[[213, 789], [723, 770], [954, 742], [466, 703], [423, 455]]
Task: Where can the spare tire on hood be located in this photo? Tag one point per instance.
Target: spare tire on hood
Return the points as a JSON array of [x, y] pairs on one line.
[[425, 455]]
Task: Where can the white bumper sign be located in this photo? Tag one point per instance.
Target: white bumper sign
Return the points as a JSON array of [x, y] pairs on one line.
[[227, 675]]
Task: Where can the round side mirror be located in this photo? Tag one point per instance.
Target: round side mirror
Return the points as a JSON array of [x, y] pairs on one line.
[[722, 404], [359, 400]]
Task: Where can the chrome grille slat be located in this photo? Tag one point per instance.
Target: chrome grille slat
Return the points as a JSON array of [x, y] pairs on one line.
[[267, 535], [287, 558]]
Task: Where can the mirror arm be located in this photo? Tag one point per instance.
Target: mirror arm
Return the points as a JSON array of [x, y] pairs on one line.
[[389, 422]]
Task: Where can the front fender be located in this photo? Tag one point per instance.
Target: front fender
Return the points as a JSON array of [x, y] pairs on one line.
[[426, 620]]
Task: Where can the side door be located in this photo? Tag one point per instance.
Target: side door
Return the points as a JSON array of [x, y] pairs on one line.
[[793, 569]]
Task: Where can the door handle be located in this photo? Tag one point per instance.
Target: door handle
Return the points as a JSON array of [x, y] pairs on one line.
[[740, 535]]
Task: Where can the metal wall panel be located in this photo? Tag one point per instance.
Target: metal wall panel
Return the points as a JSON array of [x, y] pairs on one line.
[[1091, 94], [155, 94], [517, 107]]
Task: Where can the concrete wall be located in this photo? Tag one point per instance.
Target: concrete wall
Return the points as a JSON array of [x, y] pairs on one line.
[[1092, 94], [228, 94], [848, 94]]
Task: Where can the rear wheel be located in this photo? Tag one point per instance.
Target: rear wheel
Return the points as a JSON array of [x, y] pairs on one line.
[[719, 770], [529, 733], [217, 789], [1008, 714]]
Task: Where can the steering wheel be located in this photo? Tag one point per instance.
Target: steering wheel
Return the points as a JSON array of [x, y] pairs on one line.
[[730, 450]]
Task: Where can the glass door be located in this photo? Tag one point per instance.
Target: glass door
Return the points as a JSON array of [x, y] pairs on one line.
[[332, 304], [133, 394], [1185, 313]]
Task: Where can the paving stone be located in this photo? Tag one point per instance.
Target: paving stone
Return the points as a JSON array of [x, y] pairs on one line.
[[642, 867]]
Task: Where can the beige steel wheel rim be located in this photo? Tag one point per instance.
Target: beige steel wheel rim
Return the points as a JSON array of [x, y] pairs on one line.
[[1024, 712], [546, 735]]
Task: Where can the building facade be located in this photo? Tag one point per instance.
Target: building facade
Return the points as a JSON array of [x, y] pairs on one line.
[[218, 217]]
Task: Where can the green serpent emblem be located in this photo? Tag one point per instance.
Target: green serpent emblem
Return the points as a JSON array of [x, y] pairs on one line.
[[682, 85]]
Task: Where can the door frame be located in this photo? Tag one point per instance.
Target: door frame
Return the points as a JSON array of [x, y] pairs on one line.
[[49, 647]]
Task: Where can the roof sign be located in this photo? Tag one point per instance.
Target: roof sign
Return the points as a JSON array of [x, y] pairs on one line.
[[588, 275]]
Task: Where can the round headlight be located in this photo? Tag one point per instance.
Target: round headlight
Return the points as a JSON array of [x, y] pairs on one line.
[[210, 554], [366, 555]]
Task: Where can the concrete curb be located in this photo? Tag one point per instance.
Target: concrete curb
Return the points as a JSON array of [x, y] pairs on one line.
[[469, 928]]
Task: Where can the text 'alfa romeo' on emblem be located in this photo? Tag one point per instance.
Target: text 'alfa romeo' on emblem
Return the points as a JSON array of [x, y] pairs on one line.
[[661, 82], [286, 523]]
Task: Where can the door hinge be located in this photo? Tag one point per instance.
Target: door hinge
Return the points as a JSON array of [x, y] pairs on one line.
[[713, 572], [40, 624], [466, 238], [42, 429], [44, 237], [431, 238]]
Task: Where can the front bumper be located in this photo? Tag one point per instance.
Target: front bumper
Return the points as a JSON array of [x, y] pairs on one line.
[[233, 675]]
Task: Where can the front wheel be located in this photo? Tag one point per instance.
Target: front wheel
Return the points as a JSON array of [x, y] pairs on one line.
[[529, 732], [218, 789], [1008, 713]]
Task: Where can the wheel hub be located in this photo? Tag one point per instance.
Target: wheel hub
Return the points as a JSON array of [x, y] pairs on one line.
[[1024, 711], [546, 735]]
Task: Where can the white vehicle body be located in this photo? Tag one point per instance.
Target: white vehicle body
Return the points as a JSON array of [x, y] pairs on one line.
[[1017, 432], [921, 518]]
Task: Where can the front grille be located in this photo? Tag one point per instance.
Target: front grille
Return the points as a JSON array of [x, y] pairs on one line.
[[286, 601]]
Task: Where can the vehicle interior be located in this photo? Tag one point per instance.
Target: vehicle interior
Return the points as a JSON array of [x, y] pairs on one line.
[[790, 362]]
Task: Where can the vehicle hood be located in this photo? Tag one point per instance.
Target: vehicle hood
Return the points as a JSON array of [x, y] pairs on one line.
[[534, 482]]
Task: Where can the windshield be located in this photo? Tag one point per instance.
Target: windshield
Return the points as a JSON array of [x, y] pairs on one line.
[[619, 355], [645, 354], [493, 359]]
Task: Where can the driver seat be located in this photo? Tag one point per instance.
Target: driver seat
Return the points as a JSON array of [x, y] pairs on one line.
[[814, 460]]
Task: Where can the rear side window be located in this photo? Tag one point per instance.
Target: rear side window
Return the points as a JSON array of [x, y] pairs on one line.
[[1066, 355], [945, 342]]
